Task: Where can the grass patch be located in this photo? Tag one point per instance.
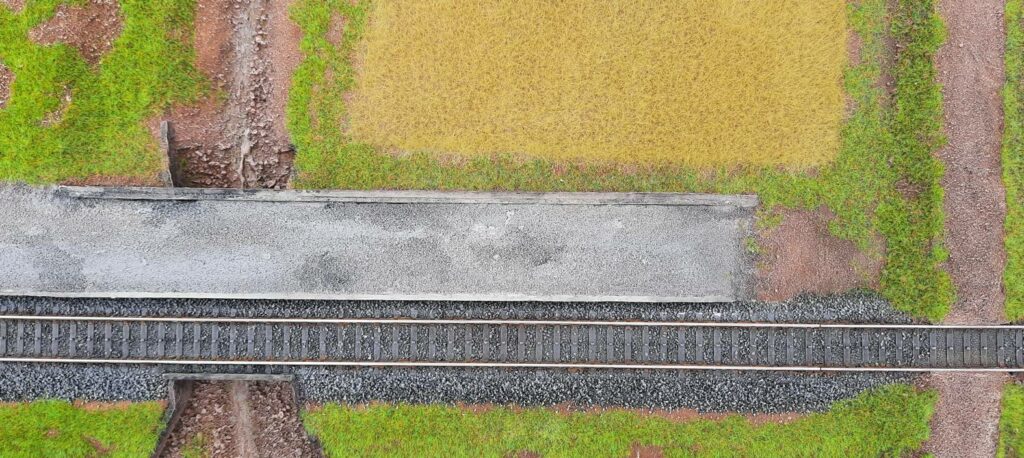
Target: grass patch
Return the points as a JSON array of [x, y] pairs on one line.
[[57, 428], [1011, 420], [1013, 160], [883, 181], [892, 421], [636, 81], [102, 131]]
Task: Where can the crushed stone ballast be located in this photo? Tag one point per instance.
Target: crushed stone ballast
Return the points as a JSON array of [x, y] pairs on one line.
[[567, 344]]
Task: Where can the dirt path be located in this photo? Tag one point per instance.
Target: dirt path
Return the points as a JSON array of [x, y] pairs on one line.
[[237, 138], [966, 420], [971, 72], [240, 419]]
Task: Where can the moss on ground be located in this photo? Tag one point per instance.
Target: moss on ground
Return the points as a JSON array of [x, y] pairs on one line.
[[102, 132], [1013, 159], [57, 428], [884, 180], [891, 421]]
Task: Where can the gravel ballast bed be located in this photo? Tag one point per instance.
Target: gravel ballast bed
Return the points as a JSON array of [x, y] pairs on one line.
[[20, 382], [856, 307], [710, 391]]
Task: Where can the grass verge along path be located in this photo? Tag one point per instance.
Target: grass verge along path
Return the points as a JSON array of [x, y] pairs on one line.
[[891, 421], [58, 428], [1013, 159]]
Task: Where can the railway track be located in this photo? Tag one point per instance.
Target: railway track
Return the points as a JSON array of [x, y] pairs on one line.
[[509, 343]]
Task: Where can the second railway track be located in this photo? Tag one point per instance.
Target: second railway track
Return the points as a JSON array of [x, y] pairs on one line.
[[509, 343]]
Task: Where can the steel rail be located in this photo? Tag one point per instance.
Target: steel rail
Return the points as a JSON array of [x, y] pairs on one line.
[[497, 322], [506, 365]]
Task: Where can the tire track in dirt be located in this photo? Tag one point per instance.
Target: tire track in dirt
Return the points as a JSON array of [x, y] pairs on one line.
[[970, 64]]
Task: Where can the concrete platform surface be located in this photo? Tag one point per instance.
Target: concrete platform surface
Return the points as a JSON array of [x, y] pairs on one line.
[[156, 242]]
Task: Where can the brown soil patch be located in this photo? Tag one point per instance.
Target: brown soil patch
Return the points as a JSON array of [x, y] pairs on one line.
[[284, 56], [98, 447], [645, 451], [56, 116], [971, 72], [237, 137], [14, 5], [229, 419], [801, 256], [525, 454], [6, 79], [336, 29], [854, 46], [277, 422], [966, 418], [91, 29]]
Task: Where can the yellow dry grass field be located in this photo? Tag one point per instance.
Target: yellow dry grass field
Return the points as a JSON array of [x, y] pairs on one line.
[[701, 83]]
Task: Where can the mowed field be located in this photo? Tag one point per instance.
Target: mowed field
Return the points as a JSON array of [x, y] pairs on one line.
[[890, 421], [697, 83], [61, 429]]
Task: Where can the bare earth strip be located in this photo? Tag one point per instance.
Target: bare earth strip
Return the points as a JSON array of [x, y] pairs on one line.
[[971, 72]]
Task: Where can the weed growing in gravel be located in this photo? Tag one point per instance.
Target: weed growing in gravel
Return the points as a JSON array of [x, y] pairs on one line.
[[891, 421], [57, 428], [884, 152], [101, 132], [1013, 160]]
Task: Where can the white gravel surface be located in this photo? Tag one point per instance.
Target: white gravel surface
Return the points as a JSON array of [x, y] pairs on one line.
[[342, 248]]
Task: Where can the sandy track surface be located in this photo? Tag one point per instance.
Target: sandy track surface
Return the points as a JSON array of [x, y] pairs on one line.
[[971, 72]]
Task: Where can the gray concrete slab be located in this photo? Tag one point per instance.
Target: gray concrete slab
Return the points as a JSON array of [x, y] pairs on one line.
[[95, 242]]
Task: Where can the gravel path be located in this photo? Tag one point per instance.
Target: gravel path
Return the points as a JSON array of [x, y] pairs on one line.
[[971, 72]]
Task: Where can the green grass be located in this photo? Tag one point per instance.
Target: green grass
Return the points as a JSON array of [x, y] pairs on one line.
[[1013, 160], [1011, 421], [884, 148], [58, 429], [892, 421], [102, 132]]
